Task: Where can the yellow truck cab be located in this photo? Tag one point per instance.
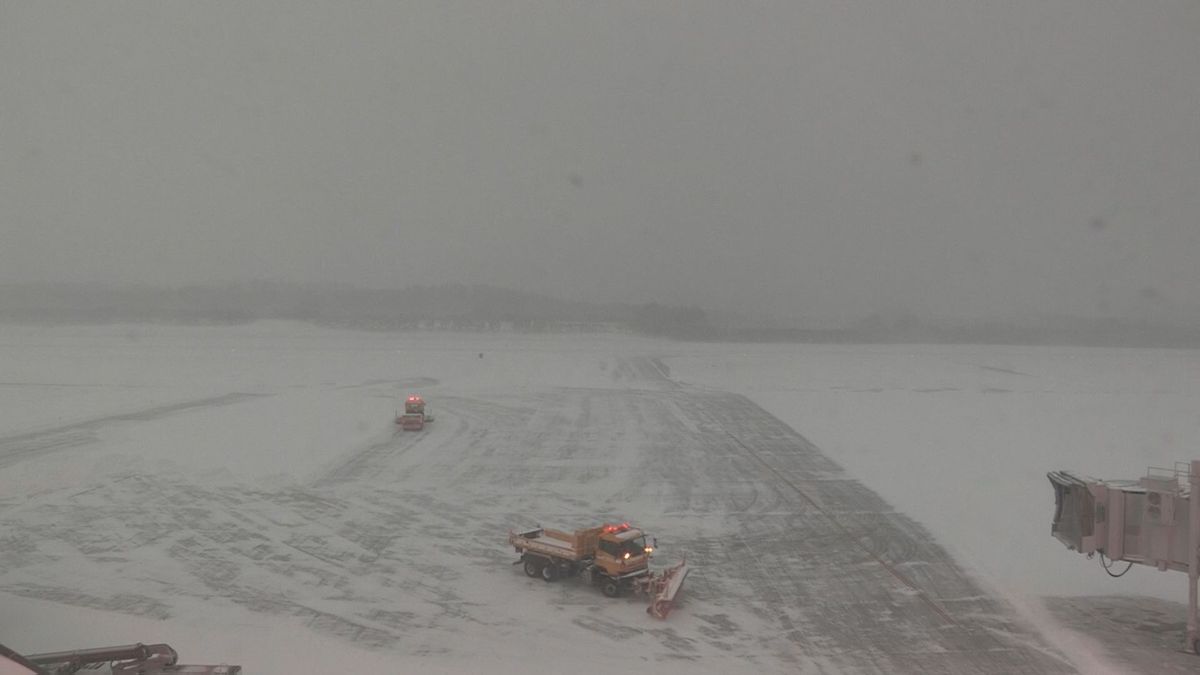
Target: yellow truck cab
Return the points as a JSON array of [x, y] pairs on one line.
[[621, 549]]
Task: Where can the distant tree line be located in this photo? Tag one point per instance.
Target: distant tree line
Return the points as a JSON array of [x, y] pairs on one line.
[[459, 307], [689, 323], [455, 307]]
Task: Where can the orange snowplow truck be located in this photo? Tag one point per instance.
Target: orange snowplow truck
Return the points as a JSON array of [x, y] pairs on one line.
[[611, 556], [414, 416]]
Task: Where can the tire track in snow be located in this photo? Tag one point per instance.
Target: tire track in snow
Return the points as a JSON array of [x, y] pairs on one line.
[[832, 569], [781, 537], [18, 447]]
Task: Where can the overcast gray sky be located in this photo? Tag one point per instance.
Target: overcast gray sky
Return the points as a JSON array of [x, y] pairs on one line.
[[802, 158]]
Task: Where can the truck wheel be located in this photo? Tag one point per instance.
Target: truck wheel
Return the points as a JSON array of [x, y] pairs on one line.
[[532, 568], [610, 588], [549, 573]]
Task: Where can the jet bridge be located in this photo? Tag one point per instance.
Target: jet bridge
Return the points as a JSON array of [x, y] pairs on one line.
[[1152, 521]]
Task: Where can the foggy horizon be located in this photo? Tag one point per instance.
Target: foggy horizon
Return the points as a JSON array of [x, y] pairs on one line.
[[815, 160]]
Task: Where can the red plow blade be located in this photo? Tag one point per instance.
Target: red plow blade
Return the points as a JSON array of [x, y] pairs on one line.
[[663, 588]]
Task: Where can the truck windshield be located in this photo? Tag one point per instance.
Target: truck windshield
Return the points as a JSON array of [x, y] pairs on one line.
[[634, 547]]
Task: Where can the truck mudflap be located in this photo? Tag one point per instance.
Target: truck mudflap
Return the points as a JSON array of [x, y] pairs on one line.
[[663, 588]]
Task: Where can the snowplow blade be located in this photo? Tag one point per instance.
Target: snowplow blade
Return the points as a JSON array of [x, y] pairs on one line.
[[411, 421], [666, 587]]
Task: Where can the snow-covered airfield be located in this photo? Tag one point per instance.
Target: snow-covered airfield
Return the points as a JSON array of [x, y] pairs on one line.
[[239, 492]]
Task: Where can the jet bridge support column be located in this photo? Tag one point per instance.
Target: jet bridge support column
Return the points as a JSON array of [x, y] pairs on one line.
[[1193, 630]]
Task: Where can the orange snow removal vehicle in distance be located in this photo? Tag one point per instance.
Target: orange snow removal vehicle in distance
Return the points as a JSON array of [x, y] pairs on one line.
[[414, 416]]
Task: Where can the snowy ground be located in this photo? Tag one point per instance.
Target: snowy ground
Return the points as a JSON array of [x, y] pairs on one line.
[[239, 492]]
